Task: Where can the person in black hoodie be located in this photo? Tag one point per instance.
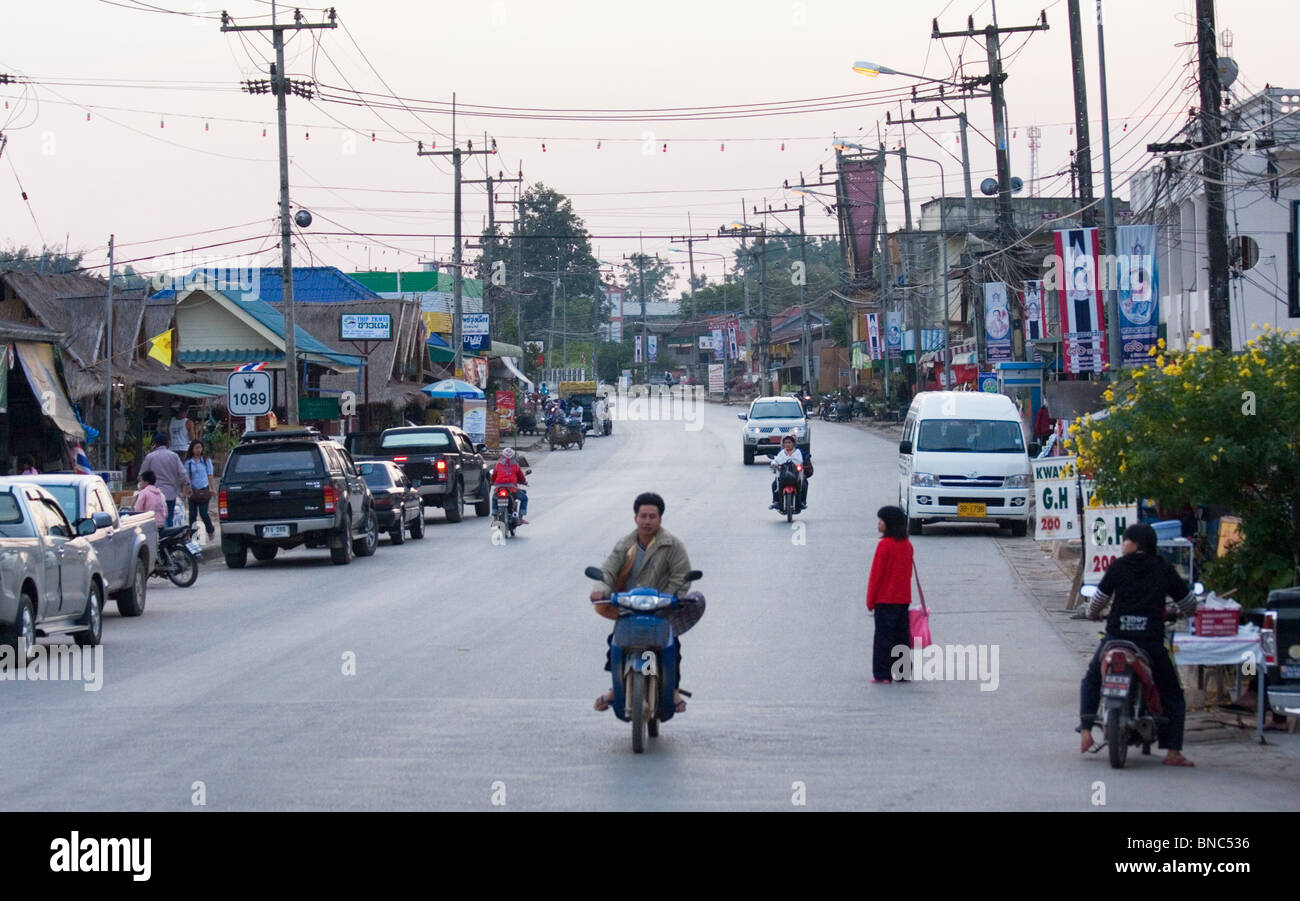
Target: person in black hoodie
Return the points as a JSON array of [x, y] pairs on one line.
[[1136, 586]]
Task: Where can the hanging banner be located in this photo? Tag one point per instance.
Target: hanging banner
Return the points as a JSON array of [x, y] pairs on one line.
[[636, 352], [894, 335], [1083, 329], [1035, 318], [873, 336], [733, 347], [719, 344], [652, 342], [4, 379], [997, 323], [1055, 494], [715, 378], [860, 189], [505, 410], [1139, 292], [475, 419]]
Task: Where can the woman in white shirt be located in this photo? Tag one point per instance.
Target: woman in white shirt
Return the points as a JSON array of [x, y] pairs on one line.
[[789, 453]]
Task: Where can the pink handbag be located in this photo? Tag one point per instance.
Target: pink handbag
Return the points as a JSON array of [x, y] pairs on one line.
[[918, 621]]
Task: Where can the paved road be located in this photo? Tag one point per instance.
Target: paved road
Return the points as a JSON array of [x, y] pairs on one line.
[[477, 665]]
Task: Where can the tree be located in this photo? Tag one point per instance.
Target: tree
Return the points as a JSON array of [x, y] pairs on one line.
[[553, 243], [659, 278], [612, 358], [1204, 428], [49, 260]]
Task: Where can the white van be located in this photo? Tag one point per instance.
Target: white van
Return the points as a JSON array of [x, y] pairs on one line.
[[962, 457]]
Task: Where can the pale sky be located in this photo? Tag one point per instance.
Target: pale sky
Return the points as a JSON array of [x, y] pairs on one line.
[[173, 155]]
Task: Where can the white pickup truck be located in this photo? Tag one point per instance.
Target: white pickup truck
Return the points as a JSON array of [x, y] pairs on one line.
[[126, 545]]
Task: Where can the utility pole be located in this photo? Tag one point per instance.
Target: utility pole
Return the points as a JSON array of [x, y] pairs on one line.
[[907, 272], [1083, 153], [489, 288], [108, 364], [1114, 354], [1216, 217], [965, 153], [803, 281], [280, 85], [457, 278]]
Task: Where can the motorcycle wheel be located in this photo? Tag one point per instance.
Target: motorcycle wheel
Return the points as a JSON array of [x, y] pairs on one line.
[[789, 506], [182, 568], [637, 695], [1117, 741]]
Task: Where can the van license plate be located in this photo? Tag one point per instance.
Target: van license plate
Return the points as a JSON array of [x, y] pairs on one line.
[[972, 509], [275, 531]]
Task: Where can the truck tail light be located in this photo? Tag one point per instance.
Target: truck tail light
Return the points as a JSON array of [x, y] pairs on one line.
[[329, 499], [401, 459], [1268, 638], [441, 467], [223, 509], [385, 503]]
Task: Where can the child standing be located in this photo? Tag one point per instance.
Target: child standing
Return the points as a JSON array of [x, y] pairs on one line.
[[889, 591]]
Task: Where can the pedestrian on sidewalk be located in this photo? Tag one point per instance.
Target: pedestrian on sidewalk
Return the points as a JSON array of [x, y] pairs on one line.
[[889, 591], [198, 466]]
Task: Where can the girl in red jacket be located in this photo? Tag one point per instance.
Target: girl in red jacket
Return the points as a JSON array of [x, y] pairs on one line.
[[889, 591]]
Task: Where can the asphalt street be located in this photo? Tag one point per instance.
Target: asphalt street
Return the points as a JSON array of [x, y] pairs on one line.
[[476, 665]]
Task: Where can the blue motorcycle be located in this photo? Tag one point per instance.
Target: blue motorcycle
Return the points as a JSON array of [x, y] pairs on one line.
[[643, 657]]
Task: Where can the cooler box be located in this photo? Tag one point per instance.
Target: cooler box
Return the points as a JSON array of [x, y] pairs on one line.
[[1215, 623], [1168, 529]]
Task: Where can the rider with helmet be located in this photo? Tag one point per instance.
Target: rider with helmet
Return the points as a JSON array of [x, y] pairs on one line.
[[789, 453], [509, 472]]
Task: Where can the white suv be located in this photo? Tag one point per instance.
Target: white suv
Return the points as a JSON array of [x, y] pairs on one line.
[[768, 421]]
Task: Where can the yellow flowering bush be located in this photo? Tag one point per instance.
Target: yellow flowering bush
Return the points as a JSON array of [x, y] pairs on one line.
[[1223, 431]]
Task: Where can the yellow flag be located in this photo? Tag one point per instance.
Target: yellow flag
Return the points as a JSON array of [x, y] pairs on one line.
[[160, 347]]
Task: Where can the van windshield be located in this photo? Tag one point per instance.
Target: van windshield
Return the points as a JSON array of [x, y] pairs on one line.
[[967, 436]]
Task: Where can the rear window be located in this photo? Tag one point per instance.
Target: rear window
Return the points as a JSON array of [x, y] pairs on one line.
[[978, 436], [11, 519], [777, 409], [376, 476], [66, 495], [272, 462], [418, 442]]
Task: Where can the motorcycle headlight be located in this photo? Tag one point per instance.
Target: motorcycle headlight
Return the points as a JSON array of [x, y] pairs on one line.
[[1020, 481], [924, 480]]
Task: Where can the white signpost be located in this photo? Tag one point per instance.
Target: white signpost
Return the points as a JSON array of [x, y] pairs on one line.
[[1055, 491], [249, 393], [1103, 533]]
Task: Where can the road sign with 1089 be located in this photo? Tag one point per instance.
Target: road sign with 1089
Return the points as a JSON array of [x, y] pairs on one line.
[[249, 393]]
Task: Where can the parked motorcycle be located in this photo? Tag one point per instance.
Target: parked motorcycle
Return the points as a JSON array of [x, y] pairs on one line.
[[843, 409], [789, 485], [1131, 712], [643, 657], [826, 408], [178, 555]]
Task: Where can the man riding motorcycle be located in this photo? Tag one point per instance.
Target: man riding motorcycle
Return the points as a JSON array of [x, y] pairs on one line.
[[1136, 585], [650, 557], [509, 472], [788, 453]]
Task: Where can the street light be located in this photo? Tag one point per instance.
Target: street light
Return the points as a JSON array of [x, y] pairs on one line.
[[871, 70]]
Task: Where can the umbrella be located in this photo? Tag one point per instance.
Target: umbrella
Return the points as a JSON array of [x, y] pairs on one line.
[[452, 388]]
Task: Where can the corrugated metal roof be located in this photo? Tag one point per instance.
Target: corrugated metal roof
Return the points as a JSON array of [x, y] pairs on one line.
[[320, 284], [190, 389]]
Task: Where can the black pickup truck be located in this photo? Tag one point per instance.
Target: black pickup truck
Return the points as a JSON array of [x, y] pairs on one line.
[[289, 487], [443, 464]]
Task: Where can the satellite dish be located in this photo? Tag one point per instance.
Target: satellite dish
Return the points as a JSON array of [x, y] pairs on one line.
[[989, 187], [1227, 69], [303, 218], [1016, 185]]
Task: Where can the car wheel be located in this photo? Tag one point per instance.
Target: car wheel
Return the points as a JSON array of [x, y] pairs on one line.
[[341, 550], [130, 601], [456, 503], [913, 526], [237, 559], [397, 534], [1019, 528], [417, 525], [264, 552], [366, 545], [749, 456], [23, 631], [92, 618], [484, 506]]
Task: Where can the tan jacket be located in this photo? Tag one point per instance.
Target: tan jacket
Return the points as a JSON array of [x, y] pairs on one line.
[[664, 569]]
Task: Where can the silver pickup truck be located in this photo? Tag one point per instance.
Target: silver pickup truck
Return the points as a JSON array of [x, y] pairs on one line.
[[127, 545], [51, 582]]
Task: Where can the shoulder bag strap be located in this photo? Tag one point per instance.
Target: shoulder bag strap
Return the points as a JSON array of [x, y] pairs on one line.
[[919, 589]]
